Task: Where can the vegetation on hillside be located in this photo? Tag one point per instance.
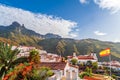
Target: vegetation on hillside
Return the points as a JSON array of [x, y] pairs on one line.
[[17, 34], [60, 48], [85, 46]]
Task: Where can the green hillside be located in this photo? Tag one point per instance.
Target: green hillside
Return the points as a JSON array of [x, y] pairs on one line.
[[17, 34], [84, 46]]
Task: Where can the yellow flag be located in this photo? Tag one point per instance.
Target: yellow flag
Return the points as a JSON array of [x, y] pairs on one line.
[[105, 52]]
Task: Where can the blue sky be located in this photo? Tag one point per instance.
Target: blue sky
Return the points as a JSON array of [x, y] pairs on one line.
[[77, 19]]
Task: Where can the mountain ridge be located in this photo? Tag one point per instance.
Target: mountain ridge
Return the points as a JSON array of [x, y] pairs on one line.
[[18, 34], [18, 28], [84, 47]]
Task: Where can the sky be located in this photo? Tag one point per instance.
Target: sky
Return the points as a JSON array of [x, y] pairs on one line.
[[78, 19]]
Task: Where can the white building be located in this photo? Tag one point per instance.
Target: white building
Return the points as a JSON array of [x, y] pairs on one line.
[[113, 64], [49, 57], [62, 70], [71, 72], [24, 50], [84, 58], [45, 57]]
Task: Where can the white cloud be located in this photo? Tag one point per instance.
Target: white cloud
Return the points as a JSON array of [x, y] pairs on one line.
[[38, 22], [74, 35], [83, 1], [117, 40], [112, 5], [99, 33]]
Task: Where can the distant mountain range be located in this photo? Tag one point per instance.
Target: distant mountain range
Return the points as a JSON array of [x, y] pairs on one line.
[[16, 28], [19, 35]]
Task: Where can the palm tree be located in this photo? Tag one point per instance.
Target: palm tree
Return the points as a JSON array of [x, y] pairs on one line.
[[8, 58]]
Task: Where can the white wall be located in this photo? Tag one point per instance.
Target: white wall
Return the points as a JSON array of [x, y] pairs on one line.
[[58, 74], [70, 69], [85, 61]]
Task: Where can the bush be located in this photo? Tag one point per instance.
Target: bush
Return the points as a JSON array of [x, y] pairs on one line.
[[50, 73], [114, 76], [95, 65], [89, 63], [84, 74], [74, 61], [88, 70]]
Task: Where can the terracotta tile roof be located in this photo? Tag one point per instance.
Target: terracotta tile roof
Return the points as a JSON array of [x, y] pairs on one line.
[[75, 66], [82, 57], [70, 56], [53, 65]]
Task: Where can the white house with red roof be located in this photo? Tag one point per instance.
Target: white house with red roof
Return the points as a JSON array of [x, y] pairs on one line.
[[62, 70], [71, 72], [45, 57], [84, 58], [49, 57], [24, 50], [113, 64]]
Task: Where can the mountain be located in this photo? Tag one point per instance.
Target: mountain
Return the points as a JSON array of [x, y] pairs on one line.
[[16, 28], [18, 34], [84, 46], [50, 35]]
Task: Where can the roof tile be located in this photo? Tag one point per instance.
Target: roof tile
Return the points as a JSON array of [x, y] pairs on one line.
[[53, 65]]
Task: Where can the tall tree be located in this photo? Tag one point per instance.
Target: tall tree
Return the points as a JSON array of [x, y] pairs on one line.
[[8, 58], [60, 48]]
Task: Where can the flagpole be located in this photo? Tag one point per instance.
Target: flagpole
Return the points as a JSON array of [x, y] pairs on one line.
[[110, 63]]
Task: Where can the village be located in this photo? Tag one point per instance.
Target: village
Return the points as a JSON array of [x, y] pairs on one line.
[[73, 67], [59, 40]]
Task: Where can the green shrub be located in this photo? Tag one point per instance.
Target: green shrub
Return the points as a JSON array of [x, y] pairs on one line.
[[84, 74], [114, 76], [74, 61]]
